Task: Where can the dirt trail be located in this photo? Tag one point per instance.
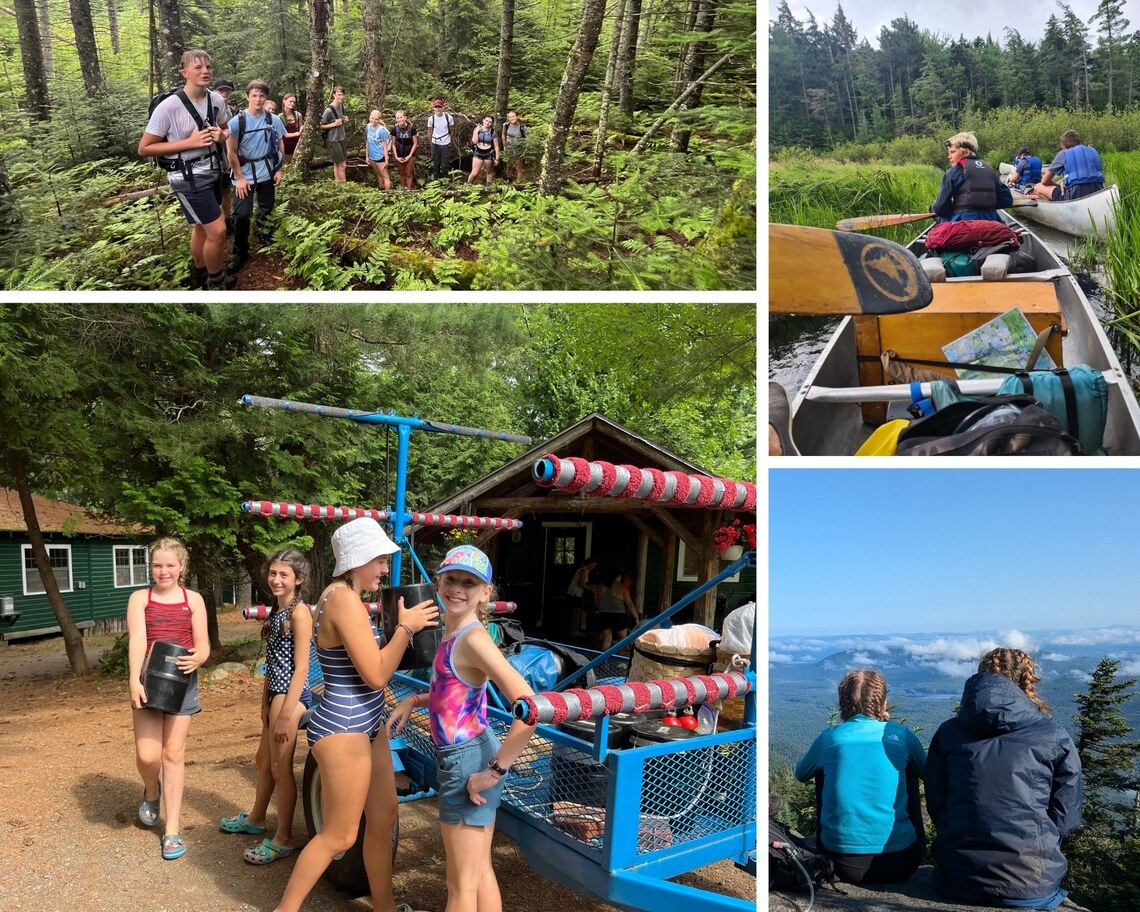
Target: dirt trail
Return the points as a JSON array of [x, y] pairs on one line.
[[69, 838]]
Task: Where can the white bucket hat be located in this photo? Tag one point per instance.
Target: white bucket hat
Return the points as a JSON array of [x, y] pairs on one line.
[[355, 543]]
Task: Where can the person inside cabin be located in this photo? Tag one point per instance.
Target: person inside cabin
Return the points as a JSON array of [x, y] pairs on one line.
[[1080, 167], [1026, 171], [866, 773], [1004, 788], [971, 189]]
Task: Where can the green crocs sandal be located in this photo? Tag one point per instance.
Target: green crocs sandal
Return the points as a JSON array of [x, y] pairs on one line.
[[266, 852], [148, 808], [173, 846], [240, 824]]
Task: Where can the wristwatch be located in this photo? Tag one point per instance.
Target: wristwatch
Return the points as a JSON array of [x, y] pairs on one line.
[[493, 766]]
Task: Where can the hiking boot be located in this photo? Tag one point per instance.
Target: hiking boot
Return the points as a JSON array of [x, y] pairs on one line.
[[198, 276], [236, 262], [780, 442], [221, 282]]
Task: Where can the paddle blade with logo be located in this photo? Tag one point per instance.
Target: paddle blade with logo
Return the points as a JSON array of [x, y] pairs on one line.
[[815, 271]]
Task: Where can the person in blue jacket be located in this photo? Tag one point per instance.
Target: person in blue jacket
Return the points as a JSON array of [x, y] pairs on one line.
[[866, 773], [1078, 164], [970, 188], [1003, 787], [1027, 170]]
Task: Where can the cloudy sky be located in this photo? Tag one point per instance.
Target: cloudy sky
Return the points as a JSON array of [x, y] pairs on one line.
[[973, 20], [952, 550]]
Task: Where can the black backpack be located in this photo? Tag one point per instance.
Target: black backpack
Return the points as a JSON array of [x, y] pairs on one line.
[[175, 162], [1016, 425], [795, 863]]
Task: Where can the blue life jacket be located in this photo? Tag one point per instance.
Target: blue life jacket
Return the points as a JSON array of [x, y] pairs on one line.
[[1032, 172], [1082, 166]]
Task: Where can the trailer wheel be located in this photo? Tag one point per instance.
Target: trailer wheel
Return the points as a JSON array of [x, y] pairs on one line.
[[347, 872]]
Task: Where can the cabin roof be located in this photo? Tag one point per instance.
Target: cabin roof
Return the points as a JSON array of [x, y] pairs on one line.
[[58, 516]]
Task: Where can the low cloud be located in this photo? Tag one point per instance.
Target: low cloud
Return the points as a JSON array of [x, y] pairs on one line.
[[1113, 635], [955, 669], [1055, 657], [781, 658]]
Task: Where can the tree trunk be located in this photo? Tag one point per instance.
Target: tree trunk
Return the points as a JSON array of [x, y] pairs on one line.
[[581, 53], [643, 32], [85, 47], [242, 589], [373, 61], [72, 638], [31, 54], [113, 24], [644, 141], [314, 97], [628, 56], [171, 43], [608, 89], [43, 14], [692, 61], [506, 46], [207, 586]]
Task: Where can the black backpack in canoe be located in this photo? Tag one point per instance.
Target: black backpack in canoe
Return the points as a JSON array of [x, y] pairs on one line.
[[1016, 425], [795, 863]]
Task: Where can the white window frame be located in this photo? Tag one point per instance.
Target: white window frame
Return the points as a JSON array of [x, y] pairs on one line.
[[25, 553], [682, 577], [130, 549]]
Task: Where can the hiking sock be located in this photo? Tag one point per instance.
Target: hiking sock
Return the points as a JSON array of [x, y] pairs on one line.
[[198, 276]]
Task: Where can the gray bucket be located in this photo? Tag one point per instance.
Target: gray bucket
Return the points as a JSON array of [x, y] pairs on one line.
[[425, 643], [165, 685]]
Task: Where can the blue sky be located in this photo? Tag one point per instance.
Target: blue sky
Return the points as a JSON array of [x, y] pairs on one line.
[[952, 550], [973, 20]]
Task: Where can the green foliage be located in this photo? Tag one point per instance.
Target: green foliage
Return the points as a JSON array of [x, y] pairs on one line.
[[115, 662]]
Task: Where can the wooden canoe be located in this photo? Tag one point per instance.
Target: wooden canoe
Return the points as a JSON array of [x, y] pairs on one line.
[[1092, 214], [1048, 295]]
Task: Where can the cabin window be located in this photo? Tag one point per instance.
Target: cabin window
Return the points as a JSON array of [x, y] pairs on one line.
[[564, 551], [130, 566], [59, 556], [688, 565]]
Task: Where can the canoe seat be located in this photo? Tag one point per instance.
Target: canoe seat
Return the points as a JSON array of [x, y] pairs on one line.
[[957, 308]]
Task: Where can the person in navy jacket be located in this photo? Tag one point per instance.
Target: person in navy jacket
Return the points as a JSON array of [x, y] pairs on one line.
[[1003, 787], [970, 188], [866, 773]]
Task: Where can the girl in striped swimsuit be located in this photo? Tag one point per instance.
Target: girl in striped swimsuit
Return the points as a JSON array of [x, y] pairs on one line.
[[166, 611], [285, 697], [356, 775], [470, 761]]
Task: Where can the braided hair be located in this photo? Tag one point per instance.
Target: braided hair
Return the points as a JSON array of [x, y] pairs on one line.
[[862, 692], [1018, 667], [299, 564]]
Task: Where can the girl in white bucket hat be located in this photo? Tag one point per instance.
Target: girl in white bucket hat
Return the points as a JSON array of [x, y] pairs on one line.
[[356, 772]]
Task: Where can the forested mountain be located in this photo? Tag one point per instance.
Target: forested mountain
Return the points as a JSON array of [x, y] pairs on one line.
[[828, 84]]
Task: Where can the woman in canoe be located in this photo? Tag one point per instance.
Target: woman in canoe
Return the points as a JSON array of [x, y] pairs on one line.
[[866, 773], [970, 189], [1003, 787]]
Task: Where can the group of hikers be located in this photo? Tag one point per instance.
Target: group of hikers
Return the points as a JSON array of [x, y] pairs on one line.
[[1003, 789], [207, 145]]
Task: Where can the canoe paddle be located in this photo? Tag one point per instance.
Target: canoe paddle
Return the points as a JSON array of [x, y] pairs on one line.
[[816, 271], [865, 222]]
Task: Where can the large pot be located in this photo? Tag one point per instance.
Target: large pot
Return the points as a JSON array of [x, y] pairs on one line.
[[425, 643]]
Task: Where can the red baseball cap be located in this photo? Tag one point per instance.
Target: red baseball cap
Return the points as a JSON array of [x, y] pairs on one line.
[[437, 103]]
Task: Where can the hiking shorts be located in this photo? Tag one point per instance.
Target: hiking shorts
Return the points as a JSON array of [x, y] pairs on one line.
[[202, 204], [455, 764], [337, 151]]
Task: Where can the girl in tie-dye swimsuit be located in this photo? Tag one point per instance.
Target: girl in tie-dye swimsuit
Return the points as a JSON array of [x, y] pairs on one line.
[[356, 775], [470, 761]]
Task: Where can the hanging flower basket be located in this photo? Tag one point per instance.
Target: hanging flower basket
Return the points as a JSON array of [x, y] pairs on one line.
[[730, 539]]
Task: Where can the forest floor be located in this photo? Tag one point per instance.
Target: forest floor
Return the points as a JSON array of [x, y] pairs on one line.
[[69, 834]]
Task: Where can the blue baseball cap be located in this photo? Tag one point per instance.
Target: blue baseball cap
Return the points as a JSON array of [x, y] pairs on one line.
[[469, 558]]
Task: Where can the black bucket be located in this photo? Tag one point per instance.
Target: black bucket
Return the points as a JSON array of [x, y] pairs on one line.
[[626, 722], [165, 685], [426, 642], [575, 775], [671, 782]]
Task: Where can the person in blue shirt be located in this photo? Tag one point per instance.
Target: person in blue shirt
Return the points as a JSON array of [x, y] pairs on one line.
[[256, 151], [1026, 171], [970, 188], [379, 142], [1078, 164], [866, 773]]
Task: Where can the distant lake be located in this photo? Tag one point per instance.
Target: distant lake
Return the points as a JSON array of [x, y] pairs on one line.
[[945, 696]]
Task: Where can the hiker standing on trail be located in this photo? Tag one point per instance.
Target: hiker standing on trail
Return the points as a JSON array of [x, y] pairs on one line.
[[1003, 787], [485, 143], [866, 773], [405, 142], [439, 127], [186, 133], [332, 123], [256, 149]]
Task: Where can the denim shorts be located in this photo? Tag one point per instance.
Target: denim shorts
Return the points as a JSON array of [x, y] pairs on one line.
[[455, 764]]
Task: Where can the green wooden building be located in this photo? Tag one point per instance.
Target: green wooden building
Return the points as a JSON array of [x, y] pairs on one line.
[[97, 564]]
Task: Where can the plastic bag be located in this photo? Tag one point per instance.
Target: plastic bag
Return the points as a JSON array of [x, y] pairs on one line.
[[682, 636], [736, 634]]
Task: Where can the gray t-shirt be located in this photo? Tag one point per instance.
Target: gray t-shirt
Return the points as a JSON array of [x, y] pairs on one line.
[[333, 112], [173, 122]]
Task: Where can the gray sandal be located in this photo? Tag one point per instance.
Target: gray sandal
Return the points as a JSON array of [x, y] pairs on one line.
[[148, 808], [173, 846]]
